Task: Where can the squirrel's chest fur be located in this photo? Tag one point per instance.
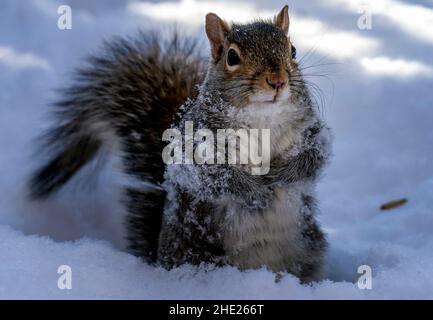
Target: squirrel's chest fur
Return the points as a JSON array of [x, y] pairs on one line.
[[270, 237], [275, 118]]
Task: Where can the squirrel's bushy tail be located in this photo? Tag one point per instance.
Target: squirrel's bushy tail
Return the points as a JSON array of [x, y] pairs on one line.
[[53, 175], [123, 99]]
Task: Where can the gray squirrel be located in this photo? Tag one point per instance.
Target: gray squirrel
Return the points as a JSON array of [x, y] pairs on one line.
[[201, 213]]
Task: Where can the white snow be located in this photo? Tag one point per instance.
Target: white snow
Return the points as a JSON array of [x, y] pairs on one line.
[[395, 68], [377, 86], [18, 60]]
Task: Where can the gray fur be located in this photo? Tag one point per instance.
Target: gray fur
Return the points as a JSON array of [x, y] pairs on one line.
[[231, 216]]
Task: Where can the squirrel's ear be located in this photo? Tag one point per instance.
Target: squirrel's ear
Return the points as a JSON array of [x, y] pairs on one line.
[[216, 30], [282, 19]]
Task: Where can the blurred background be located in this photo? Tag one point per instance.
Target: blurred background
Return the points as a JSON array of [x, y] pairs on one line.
[[370, 63]]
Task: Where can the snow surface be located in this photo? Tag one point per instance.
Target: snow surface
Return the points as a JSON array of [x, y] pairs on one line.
[[378, 100]]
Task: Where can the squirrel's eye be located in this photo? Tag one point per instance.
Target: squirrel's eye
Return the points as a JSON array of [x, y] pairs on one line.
[[293, 52], [233, 58]]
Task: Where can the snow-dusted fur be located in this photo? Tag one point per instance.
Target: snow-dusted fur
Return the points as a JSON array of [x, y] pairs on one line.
[[222, 214]]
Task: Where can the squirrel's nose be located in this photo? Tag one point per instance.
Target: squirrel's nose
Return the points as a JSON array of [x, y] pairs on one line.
[[277, 84]]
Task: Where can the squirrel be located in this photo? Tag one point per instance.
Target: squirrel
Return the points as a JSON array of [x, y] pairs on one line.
[[202, 213]]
